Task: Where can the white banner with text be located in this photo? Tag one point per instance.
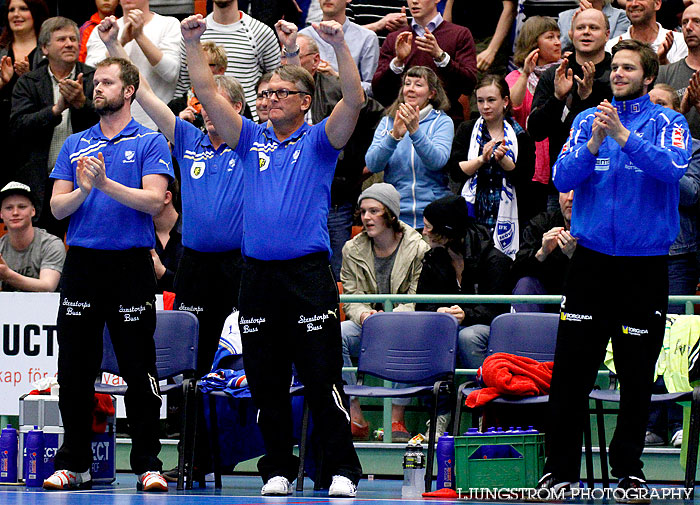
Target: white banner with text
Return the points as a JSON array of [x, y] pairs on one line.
[[29, 348]]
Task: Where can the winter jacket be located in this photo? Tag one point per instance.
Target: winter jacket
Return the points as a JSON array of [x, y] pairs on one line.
[[486, 272], [415, 164], [626, 199], [357, 272]]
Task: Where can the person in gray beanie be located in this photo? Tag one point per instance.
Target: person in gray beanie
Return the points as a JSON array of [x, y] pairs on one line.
[[384, 193], [385, 258]]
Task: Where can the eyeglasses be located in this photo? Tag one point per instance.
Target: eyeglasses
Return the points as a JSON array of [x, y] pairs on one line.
[[280, 93]]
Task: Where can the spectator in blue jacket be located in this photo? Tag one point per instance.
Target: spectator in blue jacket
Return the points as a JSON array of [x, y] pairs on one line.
[[412, 144], [624, 161]]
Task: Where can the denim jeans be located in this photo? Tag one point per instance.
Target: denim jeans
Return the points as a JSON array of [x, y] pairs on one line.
[[339, 229], [529, 285], [682, 278]]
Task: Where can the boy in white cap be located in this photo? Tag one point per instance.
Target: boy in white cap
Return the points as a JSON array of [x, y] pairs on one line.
[[30, 258]]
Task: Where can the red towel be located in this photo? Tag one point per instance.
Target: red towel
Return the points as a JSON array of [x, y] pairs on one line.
[[507, 374], [168, 300], [103, 409]]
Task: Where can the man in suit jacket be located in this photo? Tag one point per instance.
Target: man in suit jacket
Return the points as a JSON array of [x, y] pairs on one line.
[[49, 104]]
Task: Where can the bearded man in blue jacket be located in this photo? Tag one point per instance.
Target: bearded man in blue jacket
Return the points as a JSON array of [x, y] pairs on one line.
[[624, 161]]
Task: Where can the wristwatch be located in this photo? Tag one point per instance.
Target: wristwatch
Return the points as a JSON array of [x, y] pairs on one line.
[[291, 54]]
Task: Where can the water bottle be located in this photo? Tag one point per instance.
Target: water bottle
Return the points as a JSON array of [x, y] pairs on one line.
[[34, 458], [8, 454], [446, 462], [409, 472], [419, 481]]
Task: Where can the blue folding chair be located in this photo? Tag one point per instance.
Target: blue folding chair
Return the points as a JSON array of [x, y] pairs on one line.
[[409, 348], [532, 335], [176, 338]]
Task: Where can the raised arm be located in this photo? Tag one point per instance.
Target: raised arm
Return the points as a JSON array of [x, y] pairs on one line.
[[343, 119], [157, 110], [227, 121], [287, 35]]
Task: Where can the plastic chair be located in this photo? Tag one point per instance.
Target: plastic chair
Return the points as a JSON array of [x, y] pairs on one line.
[[528, 334], [176, 338], [532, 335], [613, 395], [409, 348]]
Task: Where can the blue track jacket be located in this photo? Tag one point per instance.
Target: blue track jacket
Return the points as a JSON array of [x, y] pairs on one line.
[[626, 198]]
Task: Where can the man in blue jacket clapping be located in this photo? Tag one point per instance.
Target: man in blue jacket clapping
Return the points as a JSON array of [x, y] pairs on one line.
[[624, 161]]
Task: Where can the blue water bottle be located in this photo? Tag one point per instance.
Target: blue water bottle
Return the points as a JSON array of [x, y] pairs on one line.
[[446, 462], [8, 454], [34, 445]]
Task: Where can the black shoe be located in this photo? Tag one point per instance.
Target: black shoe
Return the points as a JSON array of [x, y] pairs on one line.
[[634, 490], [170, 475], [549, 488]]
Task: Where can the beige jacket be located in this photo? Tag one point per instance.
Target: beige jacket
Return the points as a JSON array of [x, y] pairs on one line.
[[357, 272]]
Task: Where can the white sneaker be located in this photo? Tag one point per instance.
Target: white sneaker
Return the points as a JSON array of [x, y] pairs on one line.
[[342, 487], [442, 426], [65, 479], [277, 486], [151, 481], [677, 439]]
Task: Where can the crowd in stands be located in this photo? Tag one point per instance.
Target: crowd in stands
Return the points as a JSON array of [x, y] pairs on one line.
[[465, 112]]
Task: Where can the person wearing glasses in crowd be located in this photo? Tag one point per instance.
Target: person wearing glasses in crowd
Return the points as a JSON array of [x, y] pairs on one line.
[[288, 169]]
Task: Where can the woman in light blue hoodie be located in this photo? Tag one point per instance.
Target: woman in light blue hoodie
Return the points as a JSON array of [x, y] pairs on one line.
[[412, 144]]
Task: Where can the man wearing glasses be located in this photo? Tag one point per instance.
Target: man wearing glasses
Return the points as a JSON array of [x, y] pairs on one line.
[[287, 285]]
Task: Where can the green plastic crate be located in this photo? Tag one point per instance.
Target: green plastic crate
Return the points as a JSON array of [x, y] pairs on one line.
[[499, 461]]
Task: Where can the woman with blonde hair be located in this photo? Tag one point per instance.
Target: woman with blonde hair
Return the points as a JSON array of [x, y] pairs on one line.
[[536, 49], [412, 143]]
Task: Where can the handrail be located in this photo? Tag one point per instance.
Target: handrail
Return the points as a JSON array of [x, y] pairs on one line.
[[390, 299]]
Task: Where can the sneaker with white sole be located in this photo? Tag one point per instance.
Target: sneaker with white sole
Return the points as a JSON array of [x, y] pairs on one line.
[[342, 487], [277, 486], [677, 439], [151, 481], [632, 490], [442, 424], [65, 479], [549, 488]]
